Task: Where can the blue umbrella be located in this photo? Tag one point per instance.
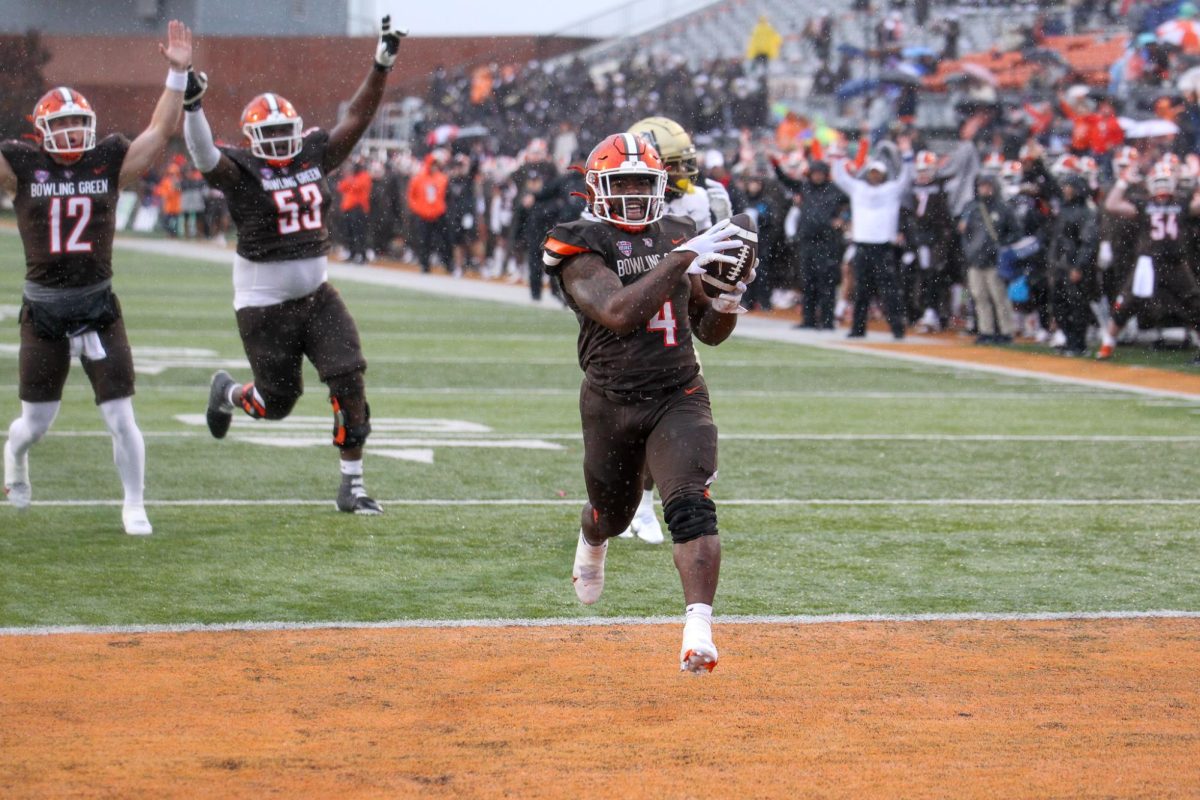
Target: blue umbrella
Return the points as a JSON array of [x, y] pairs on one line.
[[854, 88]]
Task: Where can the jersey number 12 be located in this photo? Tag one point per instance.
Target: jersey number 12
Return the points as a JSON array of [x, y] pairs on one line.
[[79, 208]]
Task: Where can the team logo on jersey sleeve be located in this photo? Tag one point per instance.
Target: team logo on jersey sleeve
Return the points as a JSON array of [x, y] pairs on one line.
[[626, 248], [41, 175]]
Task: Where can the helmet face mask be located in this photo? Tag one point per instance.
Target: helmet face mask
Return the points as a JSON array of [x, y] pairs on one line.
[[273, 128], [65, 123], [626, 181]]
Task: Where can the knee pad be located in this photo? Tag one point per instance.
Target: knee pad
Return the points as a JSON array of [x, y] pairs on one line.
[[690, 517], [266, 406], [349, 434]]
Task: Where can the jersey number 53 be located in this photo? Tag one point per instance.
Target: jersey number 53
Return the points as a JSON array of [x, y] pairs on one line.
[[290, 217]]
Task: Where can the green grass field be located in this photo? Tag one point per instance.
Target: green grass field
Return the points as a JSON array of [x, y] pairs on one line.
[[832, 468]]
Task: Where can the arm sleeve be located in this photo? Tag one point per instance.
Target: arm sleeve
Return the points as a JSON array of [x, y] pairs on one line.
[[199, 139]]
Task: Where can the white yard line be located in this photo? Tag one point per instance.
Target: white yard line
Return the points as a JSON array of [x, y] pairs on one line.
[[554, 622], [259, 430], [766, 501]]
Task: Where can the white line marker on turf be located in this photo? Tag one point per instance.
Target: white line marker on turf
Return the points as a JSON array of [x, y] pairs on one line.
[[554, 622], [779, 501], [532, 440]]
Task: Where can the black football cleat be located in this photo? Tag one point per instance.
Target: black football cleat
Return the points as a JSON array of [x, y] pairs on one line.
[[352, 497], [220, 411]]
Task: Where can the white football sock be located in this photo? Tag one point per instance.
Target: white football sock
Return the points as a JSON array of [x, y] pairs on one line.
[[698, 620], [129, 449], [352, 467]]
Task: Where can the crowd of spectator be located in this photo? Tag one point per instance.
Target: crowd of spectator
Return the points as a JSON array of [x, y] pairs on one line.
[[999, 230]]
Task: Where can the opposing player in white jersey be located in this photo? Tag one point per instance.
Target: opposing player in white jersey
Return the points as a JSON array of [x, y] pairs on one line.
[[704, 201]]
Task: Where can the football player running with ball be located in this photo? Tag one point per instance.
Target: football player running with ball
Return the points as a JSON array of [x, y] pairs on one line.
[[286, 310], [630, 275], [66, 190]]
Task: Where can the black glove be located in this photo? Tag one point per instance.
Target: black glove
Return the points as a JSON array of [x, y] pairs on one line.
[[389, 45], [197, 85]]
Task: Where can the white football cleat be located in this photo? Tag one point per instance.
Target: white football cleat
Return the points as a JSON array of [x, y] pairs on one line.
[[645, 526], [135, 520], [588, 572], [16, 478], [698, 654]]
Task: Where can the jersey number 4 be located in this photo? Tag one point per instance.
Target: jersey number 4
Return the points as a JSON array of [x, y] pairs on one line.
[[664, 321], [79, 209], [290, 218]]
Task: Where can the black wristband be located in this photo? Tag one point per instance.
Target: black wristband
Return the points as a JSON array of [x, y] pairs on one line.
[[380, 67]]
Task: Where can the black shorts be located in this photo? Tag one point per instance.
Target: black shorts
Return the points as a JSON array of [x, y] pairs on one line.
[[673, 434], [45, 363], [277, 338]]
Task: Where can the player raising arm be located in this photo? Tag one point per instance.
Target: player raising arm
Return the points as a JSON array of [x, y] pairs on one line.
[[66, 190], [286, 310]]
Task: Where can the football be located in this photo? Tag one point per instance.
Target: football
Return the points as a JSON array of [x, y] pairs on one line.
[[721, 277]]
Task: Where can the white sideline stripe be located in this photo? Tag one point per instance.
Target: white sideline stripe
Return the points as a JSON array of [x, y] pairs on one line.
[[777, 501], [727, 437], [592, 622]]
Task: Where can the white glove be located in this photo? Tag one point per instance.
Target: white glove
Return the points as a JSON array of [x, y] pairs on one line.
[[1104, 258], [389, 45], [710, 242], [697, 265], [730, 302]]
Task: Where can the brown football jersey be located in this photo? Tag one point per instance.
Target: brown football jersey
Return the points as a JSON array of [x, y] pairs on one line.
[[656, 358], [279, 210], [67, 213], [1162, 222]]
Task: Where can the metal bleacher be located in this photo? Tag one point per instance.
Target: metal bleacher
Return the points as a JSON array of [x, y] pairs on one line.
[[721, 30]]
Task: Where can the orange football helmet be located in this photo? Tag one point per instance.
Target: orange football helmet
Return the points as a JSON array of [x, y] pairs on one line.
[[1161, 180], [1011, 176], [926, 165], [273, 127], [76, 112], [1126, 157], [992, 164], [624, 155], [1066, 165]]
